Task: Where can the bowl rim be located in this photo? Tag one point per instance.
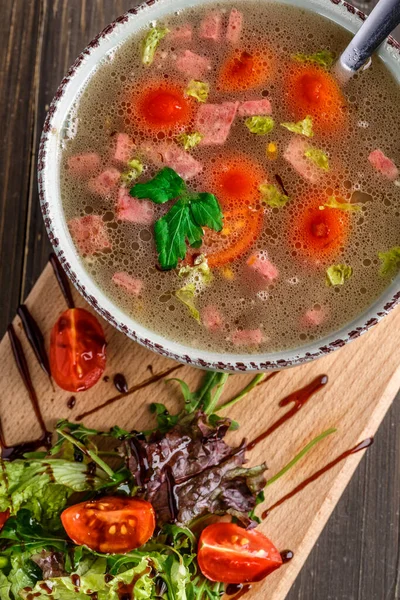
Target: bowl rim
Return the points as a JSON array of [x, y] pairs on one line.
[[110, 312]]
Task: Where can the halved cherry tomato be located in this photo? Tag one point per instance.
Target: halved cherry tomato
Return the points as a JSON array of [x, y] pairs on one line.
[[236, 181], [319, 233], [244, 70], [162, 106], [242, 226], [77, 350], [313, 91], [4, 517], [231, 554], [111, 524]]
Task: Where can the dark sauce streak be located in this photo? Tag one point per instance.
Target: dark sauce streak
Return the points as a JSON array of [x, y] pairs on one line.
[[300, 397], [125, 590], [141, 461], [286, 556], [108, 577], [131, 390], [171, 492], [106, 378], [35, 338], [243, 591], [76, 580], [150, 368], [120, 383], [233, 588], [279, 180], [71, 402], [62, 280], [45, 587], [361, 446]]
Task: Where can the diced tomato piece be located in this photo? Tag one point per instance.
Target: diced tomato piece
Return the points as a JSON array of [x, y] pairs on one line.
[[261, 265], [130, 284], [383, 164], [214, 122], [191, 64], [85, 164], [212, 318], [4, 517], [236, 179], [313, 317], [169, 154], [294, 154], [124, 147], [252, 108], [247, 337], [132, 209], [210, 27], [89, 234], [235, 25], [162, 106], [104, 183], [313, 91], [245, 70], [183, 33]]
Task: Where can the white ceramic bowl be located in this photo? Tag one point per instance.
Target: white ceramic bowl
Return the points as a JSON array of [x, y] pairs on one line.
[[49, 191]]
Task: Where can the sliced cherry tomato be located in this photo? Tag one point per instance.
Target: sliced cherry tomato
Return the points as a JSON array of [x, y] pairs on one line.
[[112, 524], [162, 106], [231, 554], [244, 70], [77, 350], [319, 233], [237, 180], [4, 517], [242, 226], [313, 91]]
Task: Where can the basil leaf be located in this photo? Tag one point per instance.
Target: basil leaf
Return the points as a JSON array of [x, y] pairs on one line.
[[198, 90], [166, 185], [260, 125], [170, 233], [390, 261], [206, 211], [338, 274], [304, 127], [150, 43], [323, 58]]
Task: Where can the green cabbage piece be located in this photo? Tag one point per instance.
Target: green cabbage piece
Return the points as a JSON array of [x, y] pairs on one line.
[[134, 170], [198, 90], [186, 295], [190, 140], [260, 125], [304, 127], [338, 274], [318, 157], [390, 261], [323, 58], [272, 196], [346, 206], [150, 43]]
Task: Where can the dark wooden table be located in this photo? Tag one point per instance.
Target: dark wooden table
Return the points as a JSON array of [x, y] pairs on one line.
[[358, 555]]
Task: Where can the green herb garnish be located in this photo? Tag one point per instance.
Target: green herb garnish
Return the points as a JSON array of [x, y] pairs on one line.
[[390, 261], [135, 169], [166, 185], [186, 295], [198, 90], [260, 125], [150, 43], [304, 127], [338, 274], [272, 196], [323, 58], [318, 157], [347, 206], [190, 140]]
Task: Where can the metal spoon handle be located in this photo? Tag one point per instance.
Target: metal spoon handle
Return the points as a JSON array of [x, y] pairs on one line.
[[380, 23]]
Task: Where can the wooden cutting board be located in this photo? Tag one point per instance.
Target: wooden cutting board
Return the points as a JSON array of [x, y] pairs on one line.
[[364, 377]]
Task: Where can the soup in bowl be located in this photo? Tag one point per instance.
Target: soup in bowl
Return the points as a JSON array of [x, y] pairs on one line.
[[215, 194]]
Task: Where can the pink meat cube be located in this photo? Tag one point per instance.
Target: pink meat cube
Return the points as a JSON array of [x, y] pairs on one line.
[[104, 183], [247, 337], [212, 318], [260, 264], [294, 154], [210, 27], [191, 64], [169, 154], [313, 317], [129, 283], [183, 33], [383, 164], [84, 165], [252, 108], [235, 25], [214, 122], [132, 209], [124, 147], [89, 234]]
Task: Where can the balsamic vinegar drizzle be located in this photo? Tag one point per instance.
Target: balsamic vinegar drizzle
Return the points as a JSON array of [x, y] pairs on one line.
[[35, 338], [286, 555], [62, 280], [71, 402], [246, 588], [361, 446], [120, 383], [233, 588], [172, 498], [299, 397]]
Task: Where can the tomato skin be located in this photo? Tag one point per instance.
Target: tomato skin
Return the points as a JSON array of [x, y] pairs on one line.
[[244, 70], [236, 181], [4, 518], [230, 554], [77, 350], [111, 524], [163, 106]]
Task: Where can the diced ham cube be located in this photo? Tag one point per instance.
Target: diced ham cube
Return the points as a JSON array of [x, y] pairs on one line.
[[313, 317], [124, 147], [210, 27], [84, 165], [235, 25], [383, 164], [261, 265], [104, 183], [212, 318], [247, 337], [132, 209], [191, 64], [129, 283], [169, 154], [183, 33], [214, 122], [252, 108], [294, 154], [89, 234]]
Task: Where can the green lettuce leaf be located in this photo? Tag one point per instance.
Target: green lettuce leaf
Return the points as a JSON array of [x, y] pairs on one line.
[[346, 206], [323, 58], [5, 587], [272, 196], [318, 158], [390, 261], [198, 90], [260, 125], [186, 295], [150, 43], [304, 127], [190, 140], [166, 185], [338, 274]]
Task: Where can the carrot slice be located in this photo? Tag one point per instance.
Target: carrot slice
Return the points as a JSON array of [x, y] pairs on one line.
[[244, 70], [236, 180], [313, 91], [162, 106]]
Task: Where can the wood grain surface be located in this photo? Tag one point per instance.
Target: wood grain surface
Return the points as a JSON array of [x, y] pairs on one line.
[[357, 556]]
